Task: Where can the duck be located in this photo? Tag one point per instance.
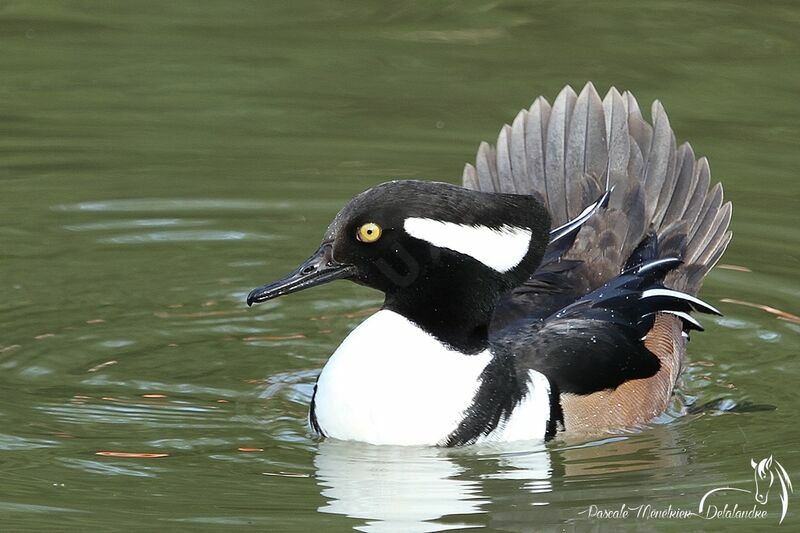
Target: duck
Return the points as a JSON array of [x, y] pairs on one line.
[[551, 293]]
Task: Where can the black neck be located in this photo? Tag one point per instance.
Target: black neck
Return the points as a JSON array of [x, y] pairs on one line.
[[457, 316]]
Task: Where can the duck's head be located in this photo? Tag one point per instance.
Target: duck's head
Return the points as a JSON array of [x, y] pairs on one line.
[[441, 254]]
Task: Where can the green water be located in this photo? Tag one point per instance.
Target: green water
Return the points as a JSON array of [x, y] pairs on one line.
[[160, 159]]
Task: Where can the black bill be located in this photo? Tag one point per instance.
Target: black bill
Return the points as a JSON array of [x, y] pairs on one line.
[[318, 269]]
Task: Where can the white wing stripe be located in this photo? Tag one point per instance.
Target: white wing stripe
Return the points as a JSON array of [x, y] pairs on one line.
[[585, 215], [685, 316], [651, 293]]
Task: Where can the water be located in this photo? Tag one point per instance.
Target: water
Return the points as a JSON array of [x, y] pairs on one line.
[[158, 160]]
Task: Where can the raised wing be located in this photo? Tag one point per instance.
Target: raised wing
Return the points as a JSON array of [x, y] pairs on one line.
[[571, 153]]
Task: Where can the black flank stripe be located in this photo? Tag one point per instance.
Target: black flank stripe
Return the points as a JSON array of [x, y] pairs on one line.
[[312, 415], [498, 395], [556, 421], [500, 392]]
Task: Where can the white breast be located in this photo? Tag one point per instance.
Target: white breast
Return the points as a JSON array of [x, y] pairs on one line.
[[390, 382]]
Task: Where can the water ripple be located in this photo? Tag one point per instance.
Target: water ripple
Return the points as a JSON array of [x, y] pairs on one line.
[[13, 442], [108, 469], [171, 204], [187, 236], [105, 225], [160, 416]]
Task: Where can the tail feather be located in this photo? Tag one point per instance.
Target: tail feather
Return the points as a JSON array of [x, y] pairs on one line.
[[555, 155], [618, 140], [699, 192], [705, 218], [535, 144], [704, 250], [519, 164], [586, 153], [486, 165], [469, 178], [505, 180], [684, 185], [640, 131], [692, 276], [660, 171]]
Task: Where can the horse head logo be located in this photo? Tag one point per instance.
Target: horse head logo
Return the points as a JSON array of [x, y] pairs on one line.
[[765, 472], [762, 470]]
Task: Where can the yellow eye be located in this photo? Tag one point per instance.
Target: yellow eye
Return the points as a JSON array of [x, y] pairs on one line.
[[369, 232]]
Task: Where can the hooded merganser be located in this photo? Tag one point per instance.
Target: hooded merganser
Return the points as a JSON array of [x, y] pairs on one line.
[[497, 328]]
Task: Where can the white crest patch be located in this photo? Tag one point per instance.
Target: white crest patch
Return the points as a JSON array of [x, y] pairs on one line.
[[499, 248]]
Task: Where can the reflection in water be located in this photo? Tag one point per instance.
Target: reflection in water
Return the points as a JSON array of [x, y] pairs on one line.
[[530, 463], [397, 488], [584, 472], [654, 449], [508, 486], [394, 488]]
